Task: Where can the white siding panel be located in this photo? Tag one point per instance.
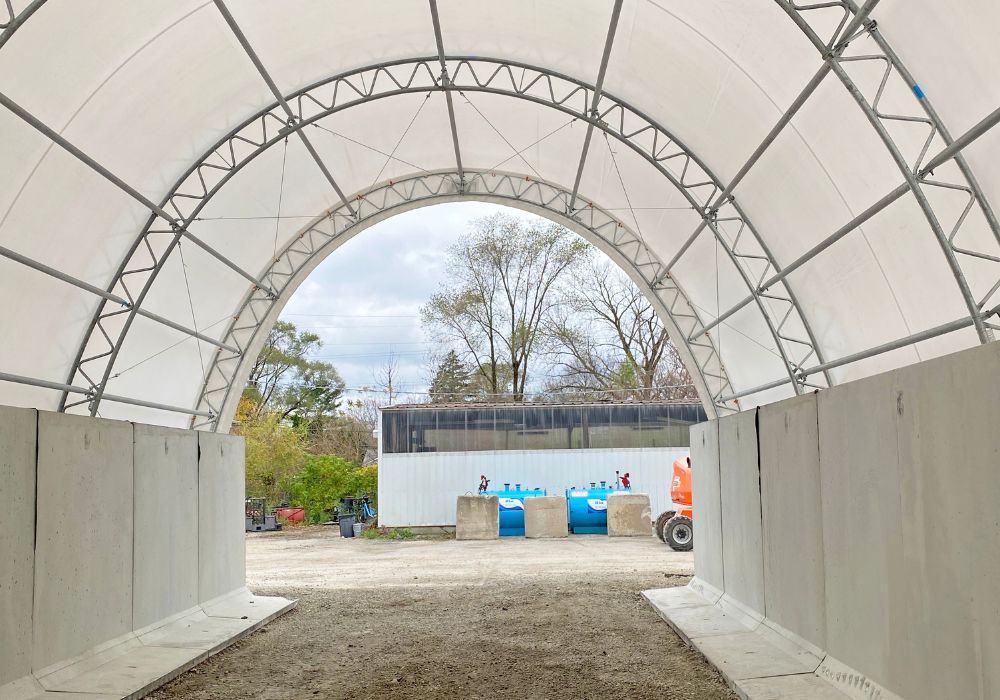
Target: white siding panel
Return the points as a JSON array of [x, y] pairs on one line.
[[420, 489]]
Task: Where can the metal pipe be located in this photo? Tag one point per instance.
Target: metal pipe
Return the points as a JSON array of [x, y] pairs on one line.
[[445, 82], [811, 253], [255, 59], [43, 383], [56, 138], [120, 184], [962, 141], [71, 389], [860, 17], [943, 329], [86, 286], [157, 406], [228, 263], [772, 135], [944, 155], [609, 40]]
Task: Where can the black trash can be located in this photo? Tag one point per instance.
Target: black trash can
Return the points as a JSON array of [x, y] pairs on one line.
[[347, 526]]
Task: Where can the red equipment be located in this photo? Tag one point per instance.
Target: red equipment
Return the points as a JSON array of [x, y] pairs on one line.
[[676, 527], [625, 481]]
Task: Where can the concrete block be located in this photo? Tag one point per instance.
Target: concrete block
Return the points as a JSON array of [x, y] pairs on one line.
[[742, 546], [17, 537], [629, 515], [83, 553], [545, 516], [706, 493], [794, 587], [947, 414], [862, 534], [477, 518], [165, 580], [221, 536]]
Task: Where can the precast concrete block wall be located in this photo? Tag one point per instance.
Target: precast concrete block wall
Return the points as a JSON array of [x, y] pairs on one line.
[[108, 530], [861, 524]]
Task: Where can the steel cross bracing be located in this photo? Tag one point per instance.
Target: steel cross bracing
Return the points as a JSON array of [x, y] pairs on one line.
[[602, 71], [251, 321], [975, 264], [736, 236], [439, 40]]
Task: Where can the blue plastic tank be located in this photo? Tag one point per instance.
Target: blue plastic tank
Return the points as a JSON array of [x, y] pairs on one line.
[[588, 508], [512, 508]]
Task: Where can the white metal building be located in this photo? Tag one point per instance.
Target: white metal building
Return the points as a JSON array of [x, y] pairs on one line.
[[431, 453]]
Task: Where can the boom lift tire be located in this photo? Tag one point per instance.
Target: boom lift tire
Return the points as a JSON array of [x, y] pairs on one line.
[[679, 534], [661, 521]]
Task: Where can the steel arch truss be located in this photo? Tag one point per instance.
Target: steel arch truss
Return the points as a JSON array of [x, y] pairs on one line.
[[227, 371], [737, 237], [948, 199]]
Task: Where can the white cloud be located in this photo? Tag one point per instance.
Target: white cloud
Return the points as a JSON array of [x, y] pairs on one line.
[[364, 300]]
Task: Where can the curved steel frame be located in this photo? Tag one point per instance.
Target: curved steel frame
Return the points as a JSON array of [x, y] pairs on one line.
[[228, 371], [853, 24], [648, 139], [205, 178]]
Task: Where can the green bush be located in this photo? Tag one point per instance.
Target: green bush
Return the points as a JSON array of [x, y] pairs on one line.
[[325, 479]]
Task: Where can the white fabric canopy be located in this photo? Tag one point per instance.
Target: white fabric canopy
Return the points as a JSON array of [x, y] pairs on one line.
[[148, 89]]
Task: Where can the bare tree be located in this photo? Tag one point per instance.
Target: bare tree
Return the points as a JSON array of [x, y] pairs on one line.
[[608, 338], [386, 377], [501, 296]]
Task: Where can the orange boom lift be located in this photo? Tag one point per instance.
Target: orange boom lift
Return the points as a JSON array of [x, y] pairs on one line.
[[675, 527]]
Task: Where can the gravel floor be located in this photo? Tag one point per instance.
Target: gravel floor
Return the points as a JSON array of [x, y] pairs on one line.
[[446, 619]]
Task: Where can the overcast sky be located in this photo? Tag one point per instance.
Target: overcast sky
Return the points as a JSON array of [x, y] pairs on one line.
[[364, 300]]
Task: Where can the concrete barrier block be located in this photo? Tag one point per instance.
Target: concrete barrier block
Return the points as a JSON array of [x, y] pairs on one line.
[[629, 515], [545, 516], [706, 494], [83, 554], [742, 548], [166, 523], [794, 588], [477, 518], [947, 644], [221, 500], [17, 554], [862, 538]]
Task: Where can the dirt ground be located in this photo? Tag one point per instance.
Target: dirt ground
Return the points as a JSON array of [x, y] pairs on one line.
[[512, 618]]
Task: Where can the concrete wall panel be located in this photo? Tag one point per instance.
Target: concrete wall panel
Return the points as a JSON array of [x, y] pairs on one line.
[[862, 536], [83, 554], [792, 517], [221, 542], [166, 523], [947, 413], [706, 493], [17, 535], [742, 553]]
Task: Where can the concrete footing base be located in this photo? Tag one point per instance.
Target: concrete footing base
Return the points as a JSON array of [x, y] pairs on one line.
[[758, 660], [136, 664]]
